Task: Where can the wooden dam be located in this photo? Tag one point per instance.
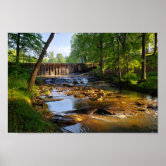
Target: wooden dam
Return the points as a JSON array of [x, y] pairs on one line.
[[53, 69]]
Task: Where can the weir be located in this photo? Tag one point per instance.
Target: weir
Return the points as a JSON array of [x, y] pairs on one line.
[[52, 69]]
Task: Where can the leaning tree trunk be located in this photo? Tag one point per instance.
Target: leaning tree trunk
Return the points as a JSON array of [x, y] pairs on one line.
[[37, 65], [143, 76], [155, 44], [18, 48]]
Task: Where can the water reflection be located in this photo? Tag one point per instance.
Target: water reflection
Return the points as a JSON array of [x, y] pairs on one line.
[[77, 128], [61, 106], [68, 103]]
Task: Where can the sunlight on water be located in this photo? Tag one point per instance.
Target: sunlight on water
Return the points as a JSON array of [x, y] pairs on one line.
[[62, 106]]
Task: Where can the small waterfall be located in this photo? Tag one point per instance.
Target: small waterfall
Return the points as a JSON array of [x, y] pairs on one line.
[[53, 69]]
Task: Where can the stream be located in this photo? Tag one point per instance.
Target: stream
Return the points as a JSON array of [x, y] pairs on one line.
[[81, 103]]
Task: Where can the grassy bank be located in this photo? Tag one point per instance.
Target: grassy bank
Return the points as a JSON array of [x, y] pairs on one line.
[[149, 86], [22, 116]]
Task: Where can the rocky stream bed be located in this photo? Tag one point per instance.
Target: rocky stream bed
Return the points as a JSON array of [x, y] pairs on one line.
[[80, 103]]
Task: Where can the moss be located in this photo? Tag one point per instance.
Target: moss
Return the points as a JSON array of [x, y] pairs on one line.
[[22, 116]]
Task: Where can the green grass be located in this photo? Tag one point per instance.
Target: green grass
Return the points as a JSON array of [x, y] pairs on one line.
[[149, 86], [22, 116]]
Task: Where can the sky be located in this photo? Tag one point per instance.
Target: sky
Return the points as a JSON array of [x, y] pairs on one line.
[[60, 43]]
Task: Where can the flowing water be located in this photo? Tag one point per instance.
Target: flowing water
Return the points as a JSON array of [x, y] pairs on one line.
[[79, 110]]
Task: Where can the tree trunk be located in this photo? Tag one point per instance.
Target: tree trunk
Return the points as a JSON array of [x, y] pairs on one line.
[[113, 50], [155, 44], [119, 70], [123, 39], [37, 65], [127, 61], [143, 77], [101, 53], [85, 59], [18, 48]]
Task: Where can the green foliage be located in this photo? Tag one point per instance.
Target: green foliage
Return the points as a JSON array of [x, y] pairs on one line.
[[45, 60], [60, 58], [31, 45], [52, 59], [18, 76], [149, 86], [29, 42], [85, 48], [23, 57], [22, 117]]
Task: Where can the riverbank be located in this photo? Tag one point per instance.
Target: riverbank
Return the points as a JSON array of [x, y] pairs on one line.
[[22, 115], [150, 86]]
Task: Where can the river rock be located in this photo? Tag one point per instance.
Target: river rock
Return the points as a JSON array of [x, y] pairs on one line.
[[142, 110], [102, 111], [43, 88], [154, 107], [79, 95], [109, 94], [63, 120], [75, 82], [51, 99], [139, 103], [48, 93], [67, 85], [100, 98]]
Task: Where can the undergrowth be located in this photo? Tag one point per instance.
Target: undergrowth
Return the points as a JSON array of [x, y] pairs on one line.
[[22, 116]]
